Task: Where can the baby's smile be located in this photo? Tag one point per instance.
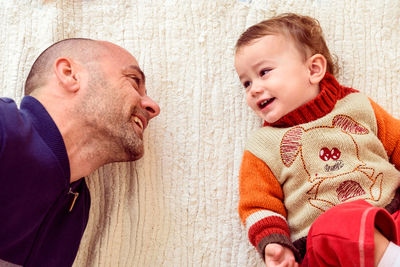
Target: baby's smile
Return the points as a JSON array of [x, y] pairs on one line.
[[263, 103]]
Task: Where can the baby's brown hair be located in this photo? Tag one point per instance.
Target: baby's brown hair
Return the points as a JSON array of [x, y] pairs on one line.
[[305, 31]]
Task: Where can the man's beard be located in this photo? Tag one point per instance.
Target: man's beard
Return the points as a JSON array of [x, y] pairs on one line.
[[130, 141], [114, 129], [119, 137]]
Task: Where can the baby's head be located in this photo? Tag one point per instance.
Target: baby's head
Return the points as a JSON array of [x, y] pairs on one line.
[[280, 62]]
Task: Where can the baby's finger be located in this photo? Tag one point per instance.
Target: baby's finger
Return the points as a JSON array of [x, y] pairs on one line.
[[291, 263], [273, 250]]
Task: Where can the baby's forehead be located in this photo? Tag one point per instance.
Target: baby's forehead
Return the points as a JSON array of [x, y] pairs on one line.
[[289, 39], [281, 38], [281, 35]]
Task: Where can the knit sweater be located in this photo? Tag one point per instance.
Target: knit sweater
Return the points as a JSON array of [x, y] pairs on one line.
[[340, 146]]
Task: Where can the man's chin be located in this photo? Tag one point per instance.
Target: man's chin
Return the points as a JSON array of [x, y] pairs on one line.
[[132, 146], [137, 157], [135, 153]]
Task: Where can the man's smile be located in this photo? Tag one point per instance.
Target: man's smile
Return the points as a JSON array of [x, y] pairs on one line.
[[139, 122]]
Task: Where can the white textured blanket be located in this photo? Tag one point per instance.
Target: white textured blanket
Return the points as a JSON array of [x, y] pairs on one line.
[[178, 205]]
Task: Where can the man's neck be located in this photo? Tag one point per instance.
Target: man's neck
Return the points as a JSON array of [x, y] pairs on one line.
[[83, 148], [86, 153]]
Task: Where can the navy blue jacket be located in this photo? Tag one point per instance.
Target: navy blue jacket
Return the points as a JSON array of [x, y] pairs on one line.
[[36, 226]]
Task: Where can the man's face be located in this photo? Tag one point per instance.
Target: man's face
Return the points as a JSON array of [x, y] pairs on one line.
[[117, 104], [275, 76]]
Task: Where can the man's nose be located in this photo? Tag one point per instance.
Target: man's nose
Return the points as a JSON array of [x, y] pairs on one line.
[[150, 106]]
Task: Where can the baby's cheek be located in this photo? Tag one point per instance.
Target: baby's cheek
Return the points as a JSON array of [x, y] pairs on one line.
[[250, 103]]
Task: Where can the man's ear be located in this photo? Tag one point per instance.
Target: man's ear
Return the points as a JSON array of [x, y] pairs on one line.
[[67, 74], [317, 68]]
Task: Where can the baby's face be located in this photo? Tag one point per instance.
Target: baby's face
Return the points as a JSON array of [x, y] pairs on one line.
[[275, 76]]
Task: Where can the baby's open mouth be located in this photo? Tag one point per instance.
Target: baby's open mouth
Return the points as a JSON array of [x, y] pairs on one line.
[[265, 102]]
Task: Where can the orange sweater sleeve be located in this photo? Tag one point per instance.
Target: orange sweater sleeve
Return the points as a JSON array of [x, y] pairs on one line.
[[261, 205], [258, 188], [388, 133]]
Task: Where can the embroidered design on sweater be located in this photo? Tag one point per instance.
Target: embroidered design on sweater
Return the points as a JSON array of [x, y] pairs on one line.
[[330, 156]]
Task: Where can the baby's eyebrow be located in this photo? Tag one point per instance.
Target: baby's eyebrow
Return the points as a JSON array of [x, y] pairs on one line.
[[241, 76]]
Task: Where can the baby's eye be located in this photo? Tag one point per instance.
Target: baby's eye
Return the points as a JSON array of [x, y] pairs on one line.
[[263, 72], [246, 84]]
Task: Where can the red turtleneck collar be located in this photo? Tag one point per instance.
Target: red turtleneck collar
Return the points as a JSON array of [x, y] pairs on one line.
[[331, 92]]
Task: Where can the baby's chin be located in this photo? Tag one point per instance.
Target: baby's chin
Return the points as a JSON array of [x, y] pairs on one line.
[[270, 122], [270, 119], [274, 116]]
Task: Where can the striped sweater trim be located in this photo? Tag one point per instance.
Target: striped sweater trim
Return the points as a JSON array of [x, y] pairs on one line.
[[260, 215], [263, 223], [267, 227], [271, 228]]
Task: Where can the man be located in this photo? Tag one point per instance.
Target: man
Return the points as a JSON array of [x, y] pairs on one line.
[[86, 106]]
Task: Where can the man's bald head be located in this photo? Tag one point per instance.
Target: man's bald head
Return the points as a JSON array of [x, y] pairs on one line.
[[80, 49]]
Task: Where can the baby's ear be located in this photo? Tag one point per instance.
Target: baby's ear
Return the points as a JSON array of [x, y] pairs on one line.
[[317, 68]]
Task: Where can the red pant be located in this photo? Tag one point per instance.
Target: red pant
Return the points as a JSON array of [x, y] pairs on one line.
[[344, 235]]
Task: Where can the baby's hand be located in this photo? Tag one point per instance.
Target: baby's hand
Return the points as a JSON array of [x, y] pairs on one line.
[[278, 255]]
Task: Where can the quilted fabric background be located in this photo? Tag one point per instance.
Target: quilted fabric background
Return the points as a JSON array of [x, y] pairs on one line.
[[178, 205]]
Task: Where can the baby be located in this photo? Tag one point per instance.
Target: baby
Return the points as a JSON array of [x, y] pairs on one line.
[[319, 182]]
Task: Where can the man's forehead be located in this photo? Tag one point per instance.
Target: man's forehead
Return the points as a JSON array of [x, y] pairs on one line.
[[117, 51], [121, 57]]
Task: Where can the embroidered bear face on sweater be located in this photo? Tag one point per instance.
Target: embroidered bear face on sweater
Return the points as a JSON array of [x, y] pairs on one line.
[[331, 159]]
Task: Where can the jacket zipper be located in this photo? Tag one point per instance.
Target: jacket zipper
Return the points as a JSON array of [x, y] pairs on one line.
[[76, 195]]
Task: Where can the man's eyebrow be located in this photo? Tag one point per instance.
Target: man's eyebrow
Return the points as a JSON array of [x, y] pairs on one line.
[[143, 77]]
